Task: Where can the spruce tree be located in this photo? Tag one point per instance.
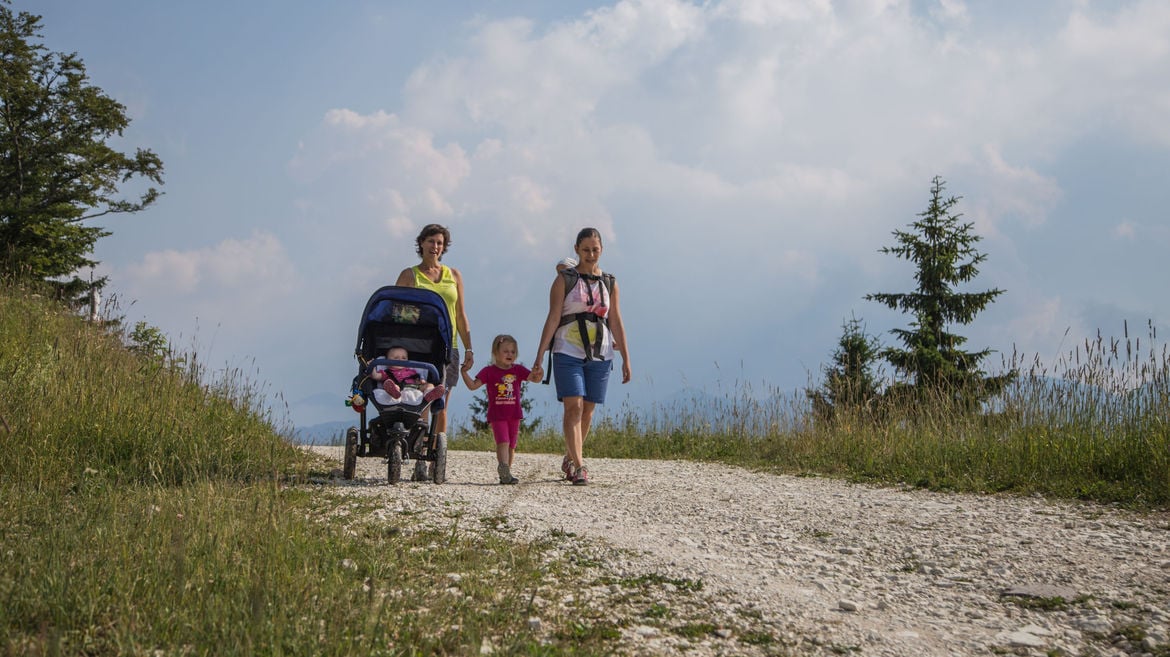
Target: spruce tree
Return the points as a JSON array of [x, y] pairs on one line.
[[932, 357], [850, 383]]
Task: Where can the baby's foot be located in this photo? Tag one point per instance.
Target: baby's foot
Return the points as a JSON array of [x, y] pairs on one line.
[[391, 388], [434, 393]]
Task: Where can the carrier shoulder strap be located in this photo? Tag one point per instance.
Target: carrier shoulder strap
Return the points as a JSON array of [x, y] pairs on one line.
[[571, 277]]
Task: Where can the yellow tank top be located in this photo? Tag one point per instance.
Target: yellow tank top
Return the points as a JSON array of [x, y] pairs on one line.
[[447, 289]]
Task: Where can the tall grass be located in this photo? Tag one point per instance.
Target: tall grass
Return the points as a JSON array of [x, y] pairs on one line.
[[144, 510], [76, 401], [1092, 425]]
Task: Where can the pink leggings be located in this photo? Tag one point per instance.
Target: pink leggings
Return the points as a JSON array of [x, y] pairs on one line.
[[506, 432]]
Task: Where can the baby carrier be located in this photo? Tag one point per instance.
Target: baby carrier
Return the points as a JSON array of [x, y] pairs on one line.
[[592, 350]]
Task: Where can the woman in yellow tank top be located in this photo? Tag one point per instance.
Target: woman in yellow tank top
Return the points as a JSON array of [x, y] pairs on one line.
[[432, 242]]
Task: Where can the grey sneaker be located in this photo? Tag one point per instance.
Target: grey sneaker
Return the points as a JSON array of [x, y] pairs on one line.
[[580, 476], [420, 471], [567, 468], [506, 474]]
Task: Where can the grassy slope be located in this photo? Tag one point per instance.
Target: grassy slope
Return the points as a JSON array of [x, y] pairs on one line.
[[141, 511]]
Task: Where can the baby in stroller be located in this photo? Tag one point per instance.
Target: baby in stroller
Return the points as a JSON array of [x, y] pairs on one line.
[[401, 384], [404, 341]]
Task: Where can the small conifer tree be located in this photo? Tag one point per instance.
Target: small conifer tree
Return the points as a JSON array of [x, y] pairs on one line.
[[932, 357], [850, 383]]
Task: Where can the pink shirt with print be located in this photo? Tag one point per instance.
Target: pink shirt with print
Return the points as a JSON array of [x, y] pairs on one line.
[[503, 390]]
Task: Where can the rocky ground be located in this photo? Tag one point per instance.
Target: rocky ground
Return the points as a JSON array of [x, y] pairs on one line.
[[819, 566]]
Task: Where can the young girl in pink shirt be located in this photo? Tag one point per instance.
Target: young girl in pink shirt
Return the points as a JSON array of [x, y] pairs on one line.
[[504, 378]]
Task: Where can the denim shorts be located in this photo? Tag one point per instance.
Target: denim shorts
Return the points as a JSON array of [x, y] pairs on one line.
[[576, 377]]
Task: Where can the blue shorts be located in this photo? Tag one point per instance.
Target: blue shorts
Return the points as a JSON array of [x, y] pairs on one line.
[[576, 377]]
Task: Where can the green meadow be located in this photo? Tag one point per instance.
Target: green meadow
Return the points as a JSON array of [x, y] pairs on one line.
[[148, 507]]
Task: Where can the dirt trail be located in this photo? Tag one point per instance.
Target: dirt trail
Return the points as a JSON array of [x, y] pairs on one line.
[[884, 571]]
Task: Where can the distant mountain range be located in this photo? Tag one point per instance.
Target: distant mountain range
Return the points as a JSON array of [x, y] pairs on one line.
[[326, 433]]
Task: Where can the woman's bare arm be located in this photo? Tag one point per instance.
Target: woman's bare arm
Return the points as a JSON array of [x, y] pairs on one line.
[[618, 329]]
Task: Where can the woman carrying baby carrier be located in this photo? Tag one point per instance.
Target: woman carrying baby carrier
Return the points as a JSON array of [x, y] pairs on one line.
[[583, 330]]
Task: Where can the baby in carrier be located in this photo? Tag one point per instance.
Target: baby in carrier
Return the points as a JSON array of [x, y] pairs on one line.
[[403, 385]]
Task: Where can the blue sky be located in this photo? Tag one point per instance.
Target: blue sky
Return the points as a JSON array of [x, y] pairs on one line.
[[745, 160]]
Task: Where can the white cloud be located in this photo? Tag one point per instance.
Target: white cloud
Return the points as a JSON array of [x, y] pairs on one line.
[[1119, 65], [400, 226], [759, 150], [400, 171], [951, 12], [529, 195], [786, 137], [772, 12], [1011, 193], [516, 79], [783, 111], [258, 263]]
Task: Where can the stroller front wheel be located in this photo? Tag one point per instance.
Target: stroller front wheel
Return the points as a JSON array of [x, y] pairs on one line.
[[394, 464]]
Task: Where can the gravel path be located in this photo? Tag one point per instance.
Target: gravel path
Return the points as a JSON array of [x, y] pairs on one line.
[[834, 567]]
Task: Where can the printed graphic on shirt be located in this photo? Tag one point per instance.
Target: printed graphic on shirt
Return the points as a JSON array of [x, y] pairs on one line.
[[506, 390]]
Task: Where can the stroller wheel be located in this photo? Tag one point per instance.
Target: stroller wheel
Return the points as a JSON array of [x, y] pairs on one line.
[[439, 471], [351, 448], [394, 464]]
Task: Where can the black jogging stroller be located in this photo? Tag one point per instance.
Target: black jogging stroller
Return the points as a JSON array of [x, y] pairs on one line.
[[416, 320]]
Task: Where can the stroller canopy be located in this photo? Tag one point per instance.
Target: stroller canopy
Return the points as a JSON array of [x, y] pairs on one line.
[[410, 317]]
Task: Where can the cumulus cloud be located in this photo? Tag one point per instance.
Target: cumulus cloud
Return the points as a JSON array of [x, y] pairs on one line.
[[1117, 66], [786, 100], [243, 283], [790, 136], [400, 172], [749, 96], [258, 263]]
